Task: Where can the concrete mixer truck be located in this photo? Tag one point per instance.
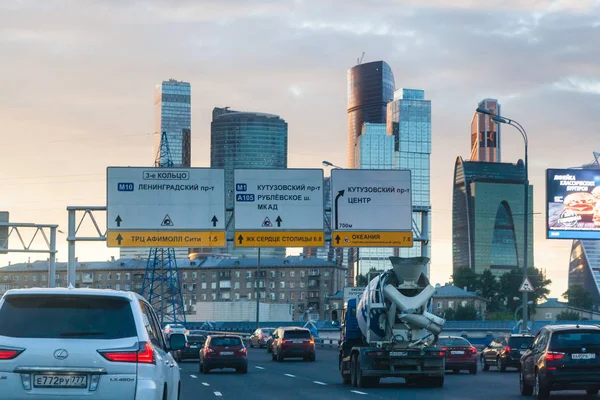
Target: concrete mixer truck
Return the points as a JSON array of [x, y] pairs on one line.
[[388, 332]]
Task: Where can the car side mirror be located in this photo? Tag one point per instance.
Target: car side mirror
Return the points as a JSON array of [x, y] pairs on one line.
[[176, 341]]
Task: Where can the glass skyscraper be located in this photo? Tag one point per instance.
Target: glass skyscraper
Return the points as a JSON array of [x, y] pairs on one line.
[[409, 122], [485, 133], [172, 115], [487, 216], [370, 88], [246, 140], [584, 268]]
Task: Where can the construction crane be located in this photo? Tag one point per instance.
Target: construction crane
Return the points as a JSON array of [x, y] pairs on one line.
[[359, 60]]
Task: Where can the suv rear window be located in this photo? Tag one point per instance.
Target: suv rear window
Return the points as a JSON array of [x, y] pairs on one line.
[[66, 317], [453, 342], [196, 339], [575, 339], [519, 342], [226, 341], [296, 334]]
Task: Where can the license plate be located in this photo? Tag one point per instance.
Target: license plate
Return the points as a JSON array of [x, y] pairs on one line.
[[398, 353], [297, 341], [457, 352], [60, 381], [193, 346], [227, 353], [585, 356]]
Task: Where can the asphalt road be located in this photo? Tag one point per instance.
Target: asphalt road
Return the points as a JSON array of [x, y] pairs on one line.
[[267, 379]]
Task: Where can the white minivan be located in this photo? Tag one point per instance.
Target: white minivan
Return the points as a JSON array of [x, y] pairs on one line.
[[84, 344]]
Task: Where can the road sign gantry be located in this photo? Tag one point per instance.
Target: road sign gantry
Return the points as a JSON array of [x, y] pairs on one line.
[[279, 208], [166, 207], [371, 208]]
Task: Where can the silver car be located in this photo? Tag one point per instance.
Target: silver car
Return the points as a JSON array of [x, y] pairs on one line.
[[82, 344]]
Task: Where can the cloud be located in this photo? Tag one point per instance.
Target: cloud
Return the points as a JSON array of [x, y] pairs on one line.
[[82, 70]]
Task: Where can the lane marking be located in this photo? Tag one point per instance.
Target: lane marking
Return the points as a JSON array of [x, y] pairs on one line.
[[194, 376], [290, 375], [218, 394], [256, 366], [205, 384], [357, 392], [320, 383]]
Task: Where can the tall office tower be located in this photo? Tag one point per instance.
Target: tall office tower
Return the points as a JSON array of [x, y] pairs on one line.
[[242, 139], [487, 216], [584, 268], [409, 123], [172, 115], [374, 150], [370, 88], [485, 133]]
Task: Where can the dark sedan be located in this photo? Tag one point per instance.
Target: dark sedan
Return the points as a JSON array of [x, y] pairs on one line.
[[191, 351]]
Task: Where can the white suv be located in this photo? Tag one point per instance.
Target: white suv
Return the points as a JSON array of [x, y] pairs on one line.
[[76, 343]]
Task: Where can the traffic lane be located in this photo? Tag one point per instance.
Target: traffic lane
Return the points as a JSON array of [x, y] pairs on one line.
[[259, 383], [320, 379]]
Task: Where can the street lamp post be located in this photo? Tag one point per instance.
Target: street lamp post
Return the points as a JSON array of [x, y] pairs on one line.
[[502, 120], [529, 303]]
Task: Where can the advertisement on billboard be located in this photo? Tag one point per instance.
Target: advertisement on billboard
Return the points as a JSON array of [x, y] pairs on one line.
[[573, 203]]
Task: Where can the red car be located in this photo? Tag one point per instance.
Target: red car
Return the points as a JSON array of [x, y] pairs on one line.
[[293, 342], [460, 354], [223, 351]]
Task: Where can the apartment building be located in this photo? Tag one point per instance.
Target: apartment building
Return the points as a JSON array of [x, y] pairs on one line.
[[305, 283]]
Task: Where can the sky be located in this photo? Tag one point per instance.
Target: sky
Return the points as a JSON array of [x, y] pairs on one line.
[[77, 80]]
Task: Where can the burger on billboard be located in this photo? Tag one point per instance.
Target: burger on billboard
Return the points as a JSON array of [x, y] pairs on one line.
[[573, 203]]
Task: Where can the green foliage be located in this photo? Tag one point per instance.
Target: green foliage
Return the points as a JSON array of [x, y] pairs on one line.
[[466, 277], [500, 316], [450, 314], [579, 297], [568, 315], [500, 292], [467, 313]]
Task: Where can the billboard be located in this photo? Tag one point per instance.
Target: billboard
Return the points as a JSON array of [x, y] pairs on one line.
[[573, 203]]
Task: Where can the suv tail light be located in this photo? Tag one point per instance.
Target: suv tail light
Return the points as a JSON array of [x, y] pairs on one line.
[[209, 350], [507, 350], [243, 350], [473, 350], [312, 341], [9, 353], [144, 355], [553, 356]]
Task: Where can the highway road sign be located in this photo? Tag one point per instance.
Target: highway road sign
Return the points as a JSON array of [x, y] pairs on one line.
[[372, 239], [165, 239], [377, 202], [351, 292], [279, 239], [3, 233], [288, 200], [165, 199], [526, 286]]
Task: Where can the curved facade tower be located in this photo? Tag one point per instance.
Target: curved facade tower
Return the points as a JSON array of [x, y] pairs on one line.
[[370, 89], [487, 216], [240, 139]]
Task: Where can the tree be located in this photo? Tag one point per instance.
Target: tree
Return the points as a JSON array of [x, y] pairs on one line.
[[466, 313], [488, 289], [449, 314], [363, 280], [511, 281], [568, 315], [466, 277], [579, 297]]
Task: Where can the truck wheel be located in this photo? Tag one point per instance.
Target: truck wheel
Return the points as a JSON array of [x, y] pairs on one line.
[[353, 370], [346, 378], [436, 381], [362, 382]]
